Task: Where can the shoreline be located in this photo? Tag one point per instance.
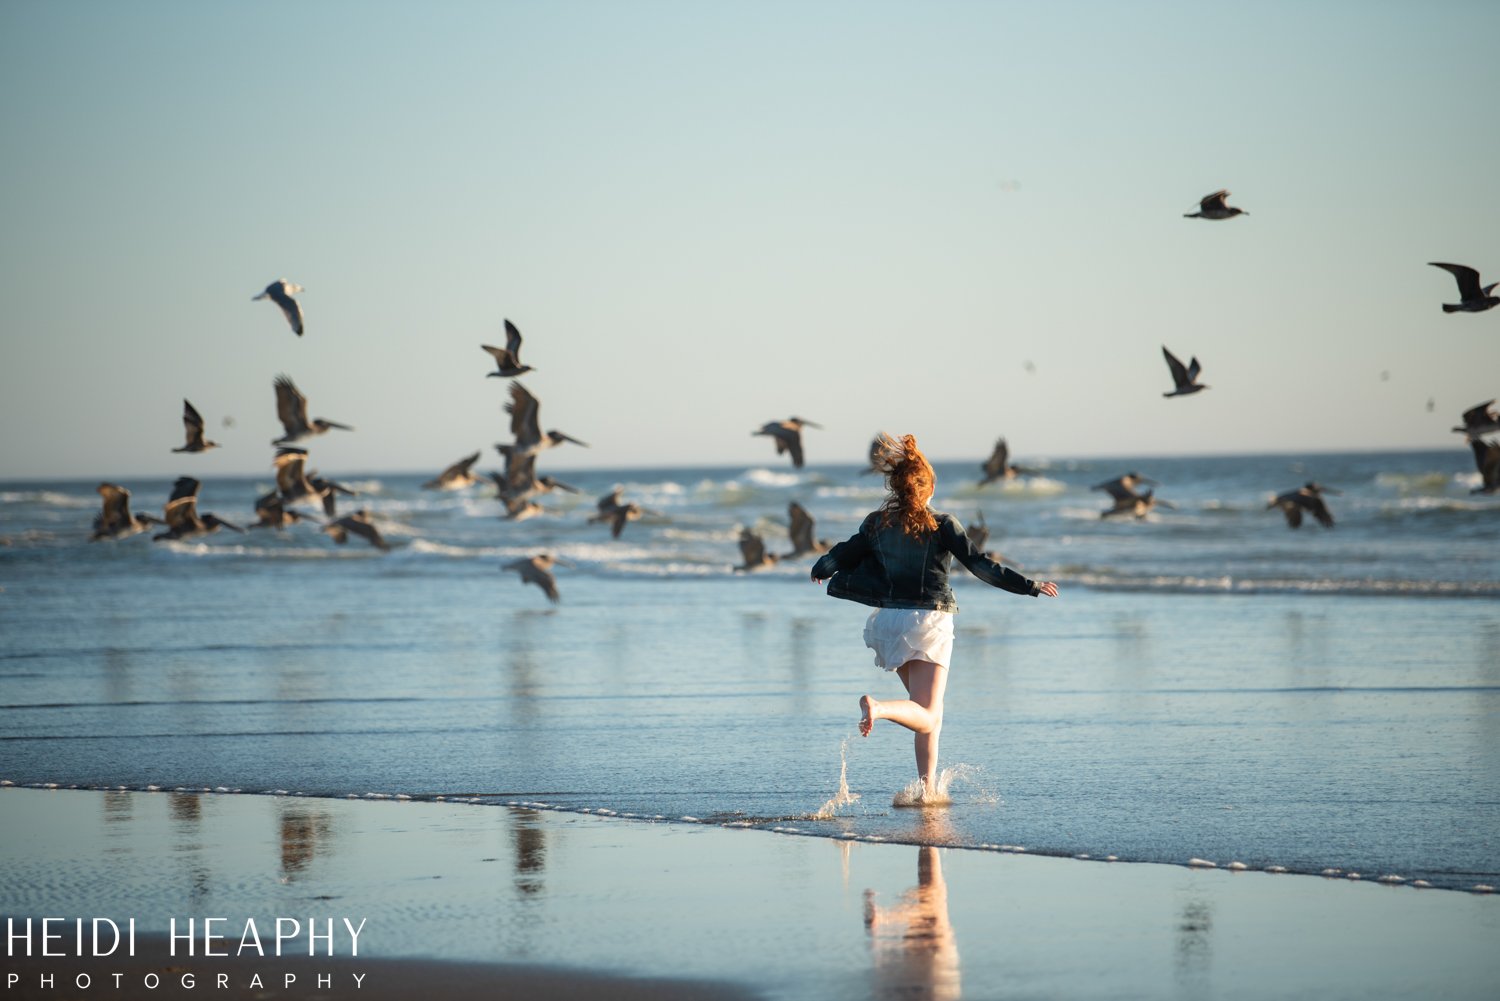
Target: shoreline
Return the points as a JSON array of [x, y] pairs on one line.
[[506, 800], [561, 899]]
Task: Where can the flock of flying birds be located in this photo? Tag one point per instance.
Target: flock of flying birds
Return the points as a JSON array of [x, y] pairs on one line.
[[519, 485]]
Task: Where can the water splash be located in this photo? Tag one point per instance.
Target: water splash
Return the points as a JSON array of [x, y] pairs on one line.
[[918, 795], [843, 797]]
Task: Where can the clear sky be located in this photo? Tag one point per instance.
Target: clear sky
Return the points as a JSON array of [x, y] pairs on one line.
[[706, 216]]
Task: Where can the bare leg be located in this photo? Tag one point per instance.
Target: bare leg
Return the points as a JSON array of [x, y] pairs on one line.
[[922, 713]]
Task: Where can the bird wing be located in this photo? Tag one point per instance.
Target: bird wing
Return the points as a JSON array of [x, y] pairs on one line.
[[1316, 508], [458, 469], [116, 506], [289, 306], [793, 445], [542, 579], [998, 460], [1117, 489], [801, 530], [752, 548], [1179, 371], [1487, 461], [193, 421], [513, 341], [524, 410], [1477, 415], [503, 357], [1214, 201], [291, 406], [291, 478], [1467, 278]]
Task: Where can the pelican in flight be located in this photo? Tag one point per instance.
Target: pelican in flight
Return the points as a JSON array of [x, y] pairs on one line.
[[1213, 207], [875, 453], [359, 524], [456, 476], [1473, 298], [998, 466], [1127, 499], [1185, 376], [181, 514], [788, 435], [280, 292], [297, 485], [291, 408], [1487, 460], [525, 425], [272, 512], [1307, 498], [520, 480], [115, 520], [508, 359], [538, 570], [1480, 420], [753, 549], [193, 422], [616, 512], [801, 531]]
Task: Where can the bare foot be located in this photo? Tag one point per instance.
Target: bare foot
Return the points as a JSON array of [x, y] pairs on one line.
[[866, 715]]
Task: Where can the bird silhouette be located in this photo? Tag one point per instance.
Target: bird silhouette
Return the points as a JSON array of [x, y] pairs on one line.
[[1185, 377], [115, 521], [291, 409], [788, 435], [280, 292], [456, 476], [1308, 499], [1213, 207], [538, 570], [192, 422], [1472, 297], [181, 514], [508, 359]]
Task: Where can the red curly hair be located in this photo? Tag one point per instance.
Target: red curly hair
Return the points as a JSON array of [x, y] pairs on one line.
[[910, 479]]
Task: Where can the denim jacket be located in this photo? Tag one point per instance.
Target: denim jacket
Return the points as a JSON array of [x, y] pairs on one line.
[[885, 567]]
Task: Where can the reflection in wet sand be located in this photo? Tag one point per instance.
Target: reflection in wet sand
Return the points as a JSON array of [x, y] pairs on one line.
[[304, 834], [1194, 951], [531, 852], [912, 941]]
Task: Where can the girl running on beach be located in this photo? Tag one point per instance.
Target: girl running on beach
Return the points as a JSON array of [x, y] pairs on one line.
[[898, 562]]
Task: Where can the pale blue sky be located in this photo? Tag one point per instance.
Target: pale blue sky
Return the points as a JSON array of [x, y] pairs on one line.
[[707, 216]]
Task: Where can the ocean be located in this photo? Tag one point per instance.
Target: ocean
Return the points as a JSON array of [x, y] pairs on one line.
[[1209, 685]]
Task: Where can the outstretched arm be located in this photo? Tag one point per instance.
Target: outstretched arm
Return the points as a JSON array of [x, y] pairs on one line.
[[957, 542]]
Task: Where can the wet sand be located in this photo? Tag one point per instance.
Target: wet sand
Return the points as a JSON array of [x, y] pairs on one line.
[[467, 901]]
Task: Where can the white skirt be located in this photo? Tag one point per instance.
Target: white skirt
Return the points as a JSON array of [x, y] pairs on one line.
[[898, 635]]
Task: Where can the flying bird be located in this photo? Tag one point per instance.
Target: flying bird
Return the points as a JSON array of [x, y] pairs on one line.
[[1308, 499], [801, 532], [192, 421], [456, 476], [1473, 298], [1480, 420], [753, 551], [525, 425], [181, 514], [998, 466], [291, 408], [613, 509], [788, 435], [508, 359], [1127, 499], [538, 570], [1487, 460], [876, 451], [280, 292], [1185, 377], [115, 520], [1213, 207], [979, 536], [272, 512], [359, 524]]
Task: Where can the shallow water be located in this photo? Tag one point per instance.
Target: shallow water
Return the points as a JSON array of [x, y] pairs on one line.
[[1210, 684]]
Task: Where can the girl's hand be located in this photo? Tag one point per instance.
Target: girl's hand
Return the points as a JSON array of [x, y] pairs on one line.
[[1048, 588]]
